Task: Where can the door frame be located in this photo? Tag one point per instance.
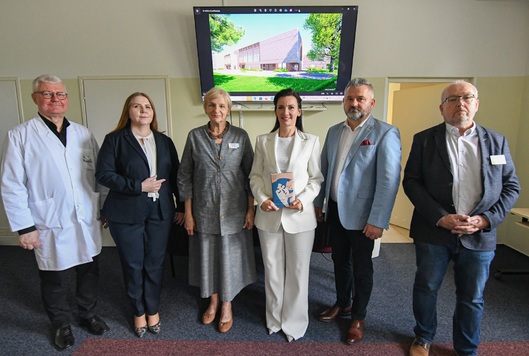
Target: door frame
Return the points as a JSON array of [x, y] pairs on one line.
[[389, 104], [388, 94]]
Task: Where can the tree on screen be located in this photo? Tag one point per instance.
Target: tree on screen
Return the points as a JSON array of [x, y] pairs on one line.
[[326, 31], [223, 32]]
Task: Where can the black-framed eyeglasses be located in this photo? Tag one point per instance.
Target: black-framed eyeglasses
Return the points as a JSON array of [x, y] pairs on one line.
[[50, 94], [455, 98]]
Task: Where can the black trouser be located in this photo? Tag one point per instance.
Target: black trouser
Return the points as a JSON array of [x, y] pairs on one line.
[[53, 285], [353, 267], [142, 249]]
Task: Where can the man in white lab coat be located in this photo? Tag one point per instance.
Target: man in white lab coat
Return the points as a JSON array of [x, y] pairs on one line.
[[49, 193]]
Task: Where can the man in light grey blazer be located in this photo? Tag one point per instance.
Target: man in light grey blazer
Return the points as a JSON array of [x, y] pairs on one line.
[[461, 179], [361, 165]]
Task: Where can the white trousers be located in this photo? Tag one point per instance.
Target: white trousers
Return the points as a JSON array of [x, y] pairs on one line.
[[286, 259]]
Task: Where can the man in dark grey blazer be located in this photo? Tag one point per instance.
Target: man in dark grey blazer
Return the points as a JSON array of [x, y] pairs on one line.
[[461, 179]]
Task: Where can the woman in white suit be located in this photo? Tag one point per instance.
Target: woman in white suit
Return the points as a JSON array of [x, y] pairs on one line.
[[286, 234]]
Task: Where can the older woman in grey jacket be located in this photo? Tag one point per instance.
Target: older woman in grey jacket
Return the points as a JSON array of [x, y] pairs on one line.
[[219, 208]]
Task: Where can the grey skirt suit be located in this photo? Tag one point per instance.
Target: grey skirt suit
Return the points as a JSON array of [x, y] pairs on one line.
[[215, 177]]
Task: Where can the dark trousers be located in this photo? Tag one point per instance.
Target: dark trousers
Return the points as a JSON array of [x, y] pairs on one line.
[[353, 267], [54, 290], [142, 249]]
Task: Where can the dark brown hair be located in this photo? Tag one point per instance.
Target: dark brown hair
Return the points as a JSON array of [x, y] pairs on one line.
[[283, 93]]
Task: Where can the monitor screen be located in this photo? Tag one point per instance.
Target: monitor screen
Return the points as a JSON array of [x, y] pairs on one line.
[[252, 52]]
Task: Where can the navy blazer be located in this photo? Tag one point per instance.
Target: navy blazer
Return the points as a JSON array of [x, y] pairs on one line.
[[122, 166], [428, 184]]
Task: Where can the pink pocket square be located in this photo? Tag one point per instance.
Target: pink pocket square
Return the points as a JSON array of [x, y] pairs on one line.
[[366, 143]]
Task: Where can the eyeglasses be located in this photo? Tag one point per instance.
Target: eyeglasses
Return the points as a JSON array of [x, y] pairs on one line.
[[49, 94], [455, 98]]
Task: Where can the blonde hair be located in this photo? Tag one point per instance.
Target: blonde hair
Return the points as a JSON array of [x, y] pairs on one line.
[[215, 93]]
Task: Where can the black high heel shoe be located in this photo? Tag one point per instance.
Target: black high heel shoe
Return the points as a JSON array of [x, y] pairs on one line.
[[140, 330], [155, 329]]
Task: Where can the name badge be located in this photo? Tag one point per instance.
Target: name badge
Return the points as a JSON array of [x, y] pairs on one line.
[[498, 159], [233, 145]]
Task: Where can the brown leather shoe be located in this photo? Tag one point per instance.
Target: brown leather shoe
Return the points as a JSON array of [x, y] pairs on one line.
[[419, 348], [333, 313], [356, 332]]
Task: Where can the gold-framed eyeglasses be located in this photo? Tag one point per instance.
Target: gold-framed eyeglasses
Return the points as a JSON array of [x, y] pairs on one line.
[[50, 94], [455, 98]]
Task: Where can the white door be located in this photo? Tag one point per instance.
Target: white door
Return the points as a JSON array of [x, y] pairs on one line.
[[104, 98], [103, 102]]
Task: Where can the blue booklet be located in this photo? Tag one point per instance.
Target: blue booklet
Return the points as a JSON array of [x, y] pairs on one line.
[[283, 189]]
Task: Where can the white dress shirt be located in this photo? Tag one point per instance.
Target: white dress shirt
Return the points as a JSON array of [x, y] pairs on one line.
[[284, 151], [465, 161], [148, 144], [346, 141]]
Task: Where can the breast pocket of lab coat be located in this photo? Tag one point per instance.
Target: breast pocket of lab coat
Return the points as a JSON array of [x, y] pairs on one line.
[[88, 160]]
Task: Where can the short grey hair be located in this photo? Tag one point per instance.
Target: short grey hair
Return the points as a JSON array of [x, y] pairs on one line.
[[358, 82], [46, 78], [458, 81]]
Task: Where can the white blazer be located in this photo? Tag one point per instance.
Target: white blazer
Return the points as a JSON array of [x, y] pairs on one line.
[[305, 164], [53, 188]]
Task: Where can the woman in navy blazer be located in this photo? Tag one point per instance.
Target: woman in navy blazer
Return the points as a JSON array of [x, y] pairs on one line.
[[139, 166]]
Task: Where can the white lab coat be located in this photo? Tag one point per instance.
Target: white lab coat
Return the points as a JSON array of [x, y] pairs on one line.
[[53, 187]]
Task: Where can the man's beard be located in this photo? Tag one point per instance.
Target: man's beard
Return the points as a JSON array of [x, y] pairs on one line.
[[355, 115]]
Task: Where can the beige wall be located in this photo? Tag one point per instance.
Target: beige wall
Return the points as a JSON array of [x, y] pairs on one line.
[[126, 37], [187, 111], [502, 108], [408, 39], [514, 235]]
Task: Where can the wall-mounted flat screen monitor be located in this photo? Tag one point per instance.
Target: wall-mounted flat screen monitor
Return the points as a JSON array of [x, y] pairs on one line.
[[252, 52]]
